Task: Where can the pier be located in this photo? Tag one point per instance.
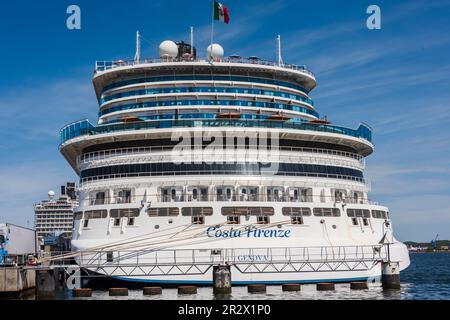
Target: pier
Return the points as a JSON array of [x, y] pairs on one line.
[[16, 280]]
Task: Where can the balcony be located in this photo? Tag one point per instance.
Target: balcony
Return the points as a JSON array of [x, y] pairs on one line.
[[84, 127]]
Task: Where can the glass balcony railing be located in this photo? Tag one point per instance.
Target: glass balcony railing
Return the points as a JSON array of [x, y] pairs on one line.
[[84, 127], [203, 77], [212, 90], [215, 102], [108, 65]]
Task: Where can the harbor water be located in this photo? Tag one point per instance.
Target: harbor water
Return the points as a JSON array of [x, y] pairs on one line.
[[427, 278]]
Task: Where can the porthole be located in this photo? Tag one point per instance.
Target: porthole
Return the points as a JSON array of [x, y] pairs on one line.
[[156, 226], [334, 226], [170, 221]]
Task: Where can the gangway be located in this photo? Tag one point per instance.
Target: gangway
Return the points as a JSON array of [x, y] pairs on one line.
[[167, 262]]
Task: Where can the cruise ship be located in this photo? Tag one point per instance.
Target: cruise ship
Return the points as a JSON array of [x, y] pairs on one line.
[[221, 160]]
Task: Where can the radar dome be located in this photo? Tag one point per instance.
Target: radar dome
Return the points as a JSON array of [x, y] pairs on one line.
[[214, 51], [51, 194], [168, 49]]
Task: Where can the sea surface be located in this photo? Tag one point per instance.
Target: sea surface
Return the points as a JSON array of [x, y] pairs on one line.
[[427, 278]]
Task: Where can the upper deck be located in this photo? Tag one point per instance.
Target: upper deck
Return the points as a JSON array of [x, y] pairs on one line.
[[107, 72]]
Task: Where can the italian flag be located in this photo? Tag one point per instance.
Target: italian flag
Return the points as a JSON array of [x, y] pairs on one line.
[[221, 12]]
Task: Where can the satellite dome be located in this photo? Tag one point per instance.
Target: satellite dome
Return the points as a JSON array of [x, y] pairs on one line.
[[168, 49], [215, 53], [51, 194]]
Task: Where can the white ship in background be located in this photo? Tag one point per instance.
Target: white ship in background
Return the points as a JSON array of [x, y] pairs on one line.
[[146, 217]]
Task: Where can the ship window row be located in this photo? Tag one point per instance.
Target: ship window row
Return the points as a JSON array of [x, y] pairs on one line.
[[380, 214], [358, 213], [164, 169], [207, 102], [142, 92], [233, 214], [90, 156], [327, 212], [205, 78], [230, 211], [233, 193]]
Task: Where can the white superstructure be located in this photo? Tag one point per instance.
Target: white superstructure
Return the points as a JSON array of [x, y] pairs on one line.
[[150, 198], [55, 216]]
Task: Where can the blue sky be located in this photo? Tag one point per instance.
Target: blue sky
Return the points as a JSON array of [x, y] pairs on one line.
[[397, 79]]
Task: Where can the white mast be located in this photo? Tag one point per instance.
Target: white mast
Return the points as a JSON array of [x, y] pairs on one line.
[[137, 57], [192, 42], [280, 60]]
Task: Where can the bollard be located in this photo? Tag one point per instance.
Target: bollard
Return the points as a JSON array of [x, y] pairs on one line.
[[116, 292], [82, 293], [291, 287], [45, 283], [150, 291], [256, 288], [187, 290], [390, 275], [325, 286], [359, 285], [222, 279]]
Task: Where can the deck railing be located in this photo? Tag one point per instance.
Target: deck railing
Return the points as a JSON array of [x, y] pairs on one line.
[[84, 127], [166, 262], [108, 65]]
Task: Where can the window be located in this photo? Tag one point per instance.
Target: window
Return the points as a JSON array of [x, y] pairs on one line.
[[356, 213], [355, 221], [162, 212], [117, 222], [355, 197], [173, 194], [124, 196], [131, 221], [338, 195], [121, 213], [96, 214], [197, 211], [228, 191], [379, 214], [109, 256], [248, 211], [78, 215], [327, 212], [296, 211], [86, 223], [296, 220], [164, 169], [365, 222], [233, 219], [262, 220], [275, 194], [204, 194], [198, 220], [100, 198]]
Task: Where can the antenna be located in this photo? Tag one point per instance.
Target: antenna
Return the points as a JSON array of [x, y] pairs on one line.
[[280, 60], [192, 41], [137, 57]]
